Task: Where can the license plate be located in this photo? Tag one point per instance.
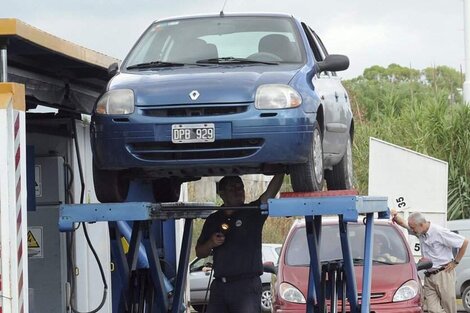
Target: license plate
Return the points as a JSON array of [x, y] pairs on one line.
[[188, 133]]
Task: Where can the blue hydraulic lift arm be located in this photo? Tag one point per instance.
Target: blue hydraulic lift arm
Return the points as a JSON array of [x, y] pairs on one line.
[[348, 208]]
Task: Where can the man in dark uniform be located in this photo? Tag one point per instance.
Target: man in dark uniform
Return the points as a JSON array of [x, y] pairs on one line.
[[234, 237]]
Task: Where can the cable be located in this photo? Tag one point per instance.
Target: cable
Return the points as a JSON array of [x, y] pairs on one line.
[[82, 184], [207, 290], [105, 289], [70, 183]]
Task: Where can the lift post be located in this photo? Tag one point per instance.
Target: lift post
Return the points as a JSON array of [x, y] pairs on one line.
[[340, 274], [13, 239]]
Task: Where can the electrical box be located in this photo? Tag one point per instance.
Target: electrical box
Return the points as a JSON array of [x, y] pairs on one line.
[[46, 245]]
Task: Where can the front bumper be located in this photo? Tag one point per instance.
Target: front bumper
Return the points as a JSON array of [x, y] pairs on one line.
[[244, 141], [411, 306]]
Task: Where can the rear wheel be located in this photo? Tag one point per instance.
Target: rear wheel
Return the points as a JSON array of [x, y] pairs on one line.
[[466, 299], [341, 176], [110, 185], [166, 189], [308, 176], [266, 299]]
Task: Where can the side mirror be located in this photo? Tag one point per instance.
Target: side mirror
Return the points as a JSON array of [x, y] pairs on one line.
[[424, 264], [269, 267], [333, 63], [113, 69]]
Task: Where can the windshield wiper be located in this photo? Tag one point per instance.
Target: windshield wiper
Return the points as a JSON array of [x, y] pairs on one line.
[[154, 64], [383, 262], [233, 60]]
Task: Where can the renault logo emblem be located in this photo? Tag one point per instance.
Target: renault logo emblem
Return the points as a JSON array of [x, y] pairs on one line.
[[194, 95]]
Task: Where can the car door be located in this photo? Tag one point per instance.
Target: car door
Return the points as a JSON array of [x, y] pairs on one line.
[[199, 274], [332, 94]]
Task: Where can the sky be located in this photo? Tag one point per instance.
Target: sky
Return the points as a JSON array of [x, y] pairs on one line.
[[412, 33]]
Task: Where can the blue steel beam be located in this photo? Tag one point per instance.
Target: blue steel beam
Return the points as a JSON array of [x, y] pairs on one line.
[[367, 269]]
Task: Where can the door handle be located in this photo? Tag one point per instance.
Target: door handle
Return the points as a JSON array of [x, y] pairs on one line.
[[336, 96]]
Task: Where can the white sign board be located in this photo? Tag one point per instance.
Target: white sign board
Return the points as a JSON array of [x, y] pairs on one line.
[[412, 181]]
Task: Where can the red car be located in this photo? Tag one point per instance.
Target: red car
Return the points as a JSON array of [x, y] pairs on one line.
[[395, 283]]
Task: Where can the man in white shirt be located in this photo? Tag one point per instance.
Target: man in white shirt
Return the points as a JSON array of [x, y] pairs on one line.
[[437, 243]]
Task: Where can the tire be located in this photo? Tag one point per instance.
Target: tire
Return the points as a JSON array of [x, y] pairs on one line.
[[308, 176], [166, 189], [466, 299], [266, 299], [110, 186], [342, 175], [199, 307]]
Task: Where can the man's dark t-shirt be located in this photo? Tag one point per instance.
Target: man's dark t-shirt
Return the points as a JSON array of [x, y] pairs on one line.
[[240, 254]]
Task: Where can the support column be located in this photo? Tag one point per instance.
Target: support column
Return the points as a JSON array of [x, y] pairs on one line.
[[466, 84], [13, 224], [3, 61]]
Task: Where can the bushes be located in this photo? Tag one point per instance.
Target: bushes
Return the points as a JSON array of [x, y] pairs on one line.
[[420, 112]]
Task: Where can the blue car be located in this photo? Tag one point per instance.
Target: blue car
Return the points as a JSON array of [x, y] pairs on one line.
[[225, 94]]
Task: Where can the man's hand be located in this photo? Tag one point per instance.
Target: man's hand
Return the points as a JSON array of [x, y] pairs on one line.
[[393, 213], [204, 249], [217, 239], [450, 267]]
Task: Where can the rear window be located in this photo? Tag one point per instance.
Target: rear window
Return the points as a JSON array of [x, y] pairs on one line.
[[389, 248]]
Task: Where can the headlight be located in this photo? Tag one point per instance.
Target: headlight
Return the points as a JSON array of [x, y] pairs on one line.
[[289, 293], [407, 291], [119, 101], [277, 97]]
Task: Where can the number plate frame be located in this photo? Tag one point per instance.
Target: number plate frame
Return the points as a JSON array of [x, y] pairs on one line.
[[180, 132]]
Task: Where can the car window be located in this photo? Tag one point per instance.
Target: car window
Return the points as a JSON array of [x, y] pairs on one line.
[[200, 263], [388, 245], [278, 251], [318, 54], [270, 39]]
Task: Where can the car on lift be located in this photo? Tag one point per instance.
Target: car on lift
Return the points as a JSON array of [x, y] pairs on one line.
[[225, 94], [200, 273], [396, 286]]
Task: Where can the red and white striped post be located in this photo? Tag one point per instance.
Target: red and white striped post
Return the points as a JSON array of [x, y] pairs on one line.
[[13, 225]]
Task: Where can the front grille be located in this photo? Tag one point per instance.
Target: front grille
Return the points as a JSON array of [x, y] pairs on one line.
[[373, 295], [220, 149], [195, 110]]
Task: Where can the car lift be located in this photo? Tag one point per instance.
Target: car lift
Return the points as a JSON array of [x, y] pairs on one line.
[[158, 299]]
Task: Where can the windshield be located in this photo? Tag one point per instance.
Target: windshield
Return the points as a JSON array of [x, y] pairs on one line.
[[218, 40], [389, 247]]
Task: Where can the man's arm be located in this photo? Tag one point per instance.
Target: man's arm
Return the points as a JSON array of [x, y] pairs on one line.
[[204, 249], [273, 188], [462, 250], [398, 219]]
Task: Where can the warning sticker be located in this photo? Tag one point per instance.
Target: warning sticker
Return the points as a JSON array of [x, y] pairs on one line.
[[38, 180], [35, 242]]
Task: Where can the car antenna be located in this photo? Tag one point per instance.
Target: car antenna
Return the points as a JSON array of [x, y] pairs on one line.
[[223, 7]]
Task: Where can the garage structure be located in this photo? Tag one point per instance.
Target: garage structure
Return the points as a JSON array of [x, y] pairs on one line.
[[52, 83]]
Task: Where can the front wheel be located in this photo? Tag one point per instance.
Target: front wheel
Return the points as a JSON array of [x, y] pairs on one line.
[[110, 185], [266, 299], [166, 189], [308, 176], [466, 299], [342, 175]]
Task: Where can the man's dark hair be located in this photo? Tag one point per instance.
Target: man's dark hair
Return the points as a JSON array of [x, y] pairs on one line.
[[228, 180]]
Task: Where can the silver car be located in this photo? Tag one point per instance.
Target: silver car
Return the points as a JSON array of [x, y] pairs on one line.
[[462, 272], [200, 271]]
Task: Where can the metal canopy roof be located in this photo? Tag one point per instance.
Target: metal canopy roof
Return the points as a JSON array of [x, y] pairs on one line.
[[56, 72]]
